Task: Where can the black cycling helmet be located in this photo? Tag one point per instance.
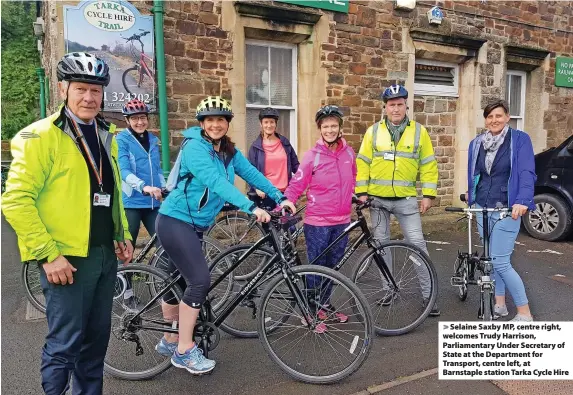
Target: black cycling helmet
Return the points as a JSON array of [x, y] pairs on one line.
[[214, 106], [394, 92], [269, 112], [328, 111], [83, 67]]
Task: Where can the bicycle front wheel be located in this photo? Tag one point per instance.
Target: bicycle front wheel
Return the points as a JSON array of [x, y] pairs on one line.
[[131, 353], [131, 80], [327, 333], [399, 310], [32, 287], [487, 302]]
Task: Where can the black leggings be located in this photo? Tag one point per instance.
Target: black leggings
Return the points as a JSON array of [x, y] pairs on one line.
[[182, 243]]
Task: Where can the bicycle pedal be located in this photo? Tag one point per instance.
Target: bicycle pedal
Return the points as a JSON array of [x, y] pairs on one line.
[[457, 281]]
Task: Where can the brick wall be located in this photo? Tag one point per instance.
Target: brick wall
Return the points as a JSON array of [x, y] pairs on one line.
[[364, 54], [197, 55]]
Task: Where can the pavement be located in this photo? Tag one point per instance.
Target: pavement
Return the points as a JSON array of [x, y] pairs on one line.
[[396, 365]]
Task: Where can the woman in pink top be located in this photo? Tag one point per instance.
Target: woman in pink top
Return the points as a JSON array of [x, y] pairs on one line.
[[328, 175], [272, 155]]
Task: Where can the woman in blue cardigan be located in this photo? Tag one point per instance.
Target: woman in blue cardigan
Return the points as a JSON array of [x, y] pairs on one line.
[[501, 169], [142, 178]]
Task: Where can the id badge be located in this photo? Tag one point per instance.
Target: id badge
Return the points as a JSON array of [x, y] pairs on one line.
[[102, 199], [388, 156]]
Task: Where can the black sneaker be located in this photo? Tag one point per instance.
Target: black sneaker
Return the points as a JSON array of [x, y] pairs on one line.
[[435, 312]]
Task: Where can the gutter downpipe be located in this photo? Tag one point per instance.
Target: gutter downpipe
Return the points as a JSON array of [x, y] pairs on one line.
[[41, 74], [161, 85]]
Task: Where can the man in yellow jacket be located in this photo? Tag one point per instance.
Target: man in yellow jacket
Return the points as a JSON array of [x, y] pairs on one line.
[[392, 155], [63, 199]]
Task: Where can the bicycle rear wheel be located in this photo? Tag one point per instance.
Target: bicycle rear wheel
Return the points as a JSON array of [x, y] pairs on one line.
[[399, 311], [31, 282], [234, 227], [211, 248], [461, 270], [327, 338], [131, 351], [242, 322]]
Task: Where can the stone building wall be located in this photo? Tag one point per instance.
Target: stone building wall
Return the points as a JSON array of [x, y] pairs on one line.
[[360, 53]]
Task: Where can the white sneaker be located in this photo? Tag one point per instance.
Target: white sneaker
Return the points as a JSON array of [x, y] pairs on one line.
[[500, 311], [522, 318]]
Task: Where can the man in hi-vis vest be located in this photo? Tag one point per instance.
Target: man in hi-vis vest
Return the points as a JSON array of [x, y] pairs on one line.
[[394, 151]]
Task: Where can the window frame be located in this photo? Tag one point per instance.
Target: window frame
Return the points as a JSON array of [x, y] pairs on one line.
[[520, 119], [293, 132], [437, 90]]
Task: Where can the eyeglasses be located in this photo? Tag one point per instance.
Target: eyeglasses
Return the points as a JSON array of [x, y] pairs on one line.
[[140, 118]]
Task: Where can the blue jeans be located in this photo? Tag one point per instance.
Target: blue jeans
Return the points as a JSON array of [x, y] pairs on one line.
[[135, 216], [407, 213], [317, 239], [79, 324], [502, 235]]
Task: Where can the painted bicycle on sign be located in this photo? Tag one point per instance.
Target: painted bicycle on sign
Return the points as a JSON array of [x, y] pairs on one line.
[[143, 72]]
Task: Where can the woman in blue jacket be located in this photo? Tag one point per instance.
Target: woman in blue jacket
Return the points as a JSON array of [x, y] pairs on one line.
[[139, 162], [209, 161], [272, 155], [501, 169]]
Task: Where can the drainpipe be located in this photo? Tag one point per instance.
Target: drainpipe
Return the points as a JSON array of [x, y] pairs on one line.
[[161, 85], [41, 74]]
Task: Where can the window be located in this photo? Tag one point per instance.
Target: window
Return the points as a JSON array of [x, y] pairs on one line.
[[515, 97], [433, 78], [271, 82]]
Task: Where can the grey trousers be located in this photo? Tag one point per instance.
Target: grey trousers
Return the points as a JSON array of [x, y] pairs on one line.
[[408, 215]]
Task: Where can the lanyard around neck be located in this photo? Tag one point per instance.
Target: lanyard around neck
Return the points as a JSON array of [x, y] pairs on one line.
[[91, 160]]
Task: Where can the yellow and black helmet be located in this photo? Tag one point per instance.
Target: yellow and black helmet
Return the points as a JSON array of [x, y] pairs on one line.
[[214, 106]]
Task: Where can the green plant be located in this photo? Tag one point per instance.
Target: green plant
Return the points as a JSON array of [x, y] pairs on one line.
[[20, 58]]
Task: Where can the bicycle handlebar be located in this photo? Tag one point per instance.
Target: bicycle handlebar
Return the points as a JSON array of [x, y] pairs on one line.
[[135, 36], [164, 193], [503, 210]]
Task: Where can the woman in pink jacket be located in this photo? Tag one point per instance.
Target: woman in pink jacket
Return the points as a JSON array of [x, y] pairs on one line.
[[328, 175]]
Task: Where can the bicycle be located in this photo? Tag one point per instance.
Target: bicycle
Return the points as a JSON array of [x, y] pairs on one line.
[[397, 307], [141, 67], [301, 321], [30, 275], [4, 173], [234, 227], [467, 263]]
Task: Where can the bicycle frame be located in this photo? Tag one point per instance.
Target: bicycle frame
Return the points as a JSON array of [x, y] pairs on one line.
[[364, 236], [143, 253], [257, 280], [150, 72]]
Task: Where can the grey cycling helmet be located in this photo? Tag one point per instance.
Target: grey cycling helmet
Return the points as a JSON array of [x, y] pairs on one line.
[[83, 67]]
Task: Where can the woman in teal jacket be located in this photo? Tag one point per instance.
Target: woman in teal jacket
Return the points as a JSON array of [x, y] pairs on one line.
[[209, 161]]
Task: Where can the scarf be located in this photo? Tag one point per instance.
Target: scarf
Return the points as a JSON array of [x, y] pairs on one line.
[[491, 144], [397, 130]]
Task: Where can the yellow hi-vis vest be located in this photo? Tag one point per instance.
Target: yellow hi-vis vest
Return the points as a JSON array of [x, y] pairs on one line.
[[386, 170]]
